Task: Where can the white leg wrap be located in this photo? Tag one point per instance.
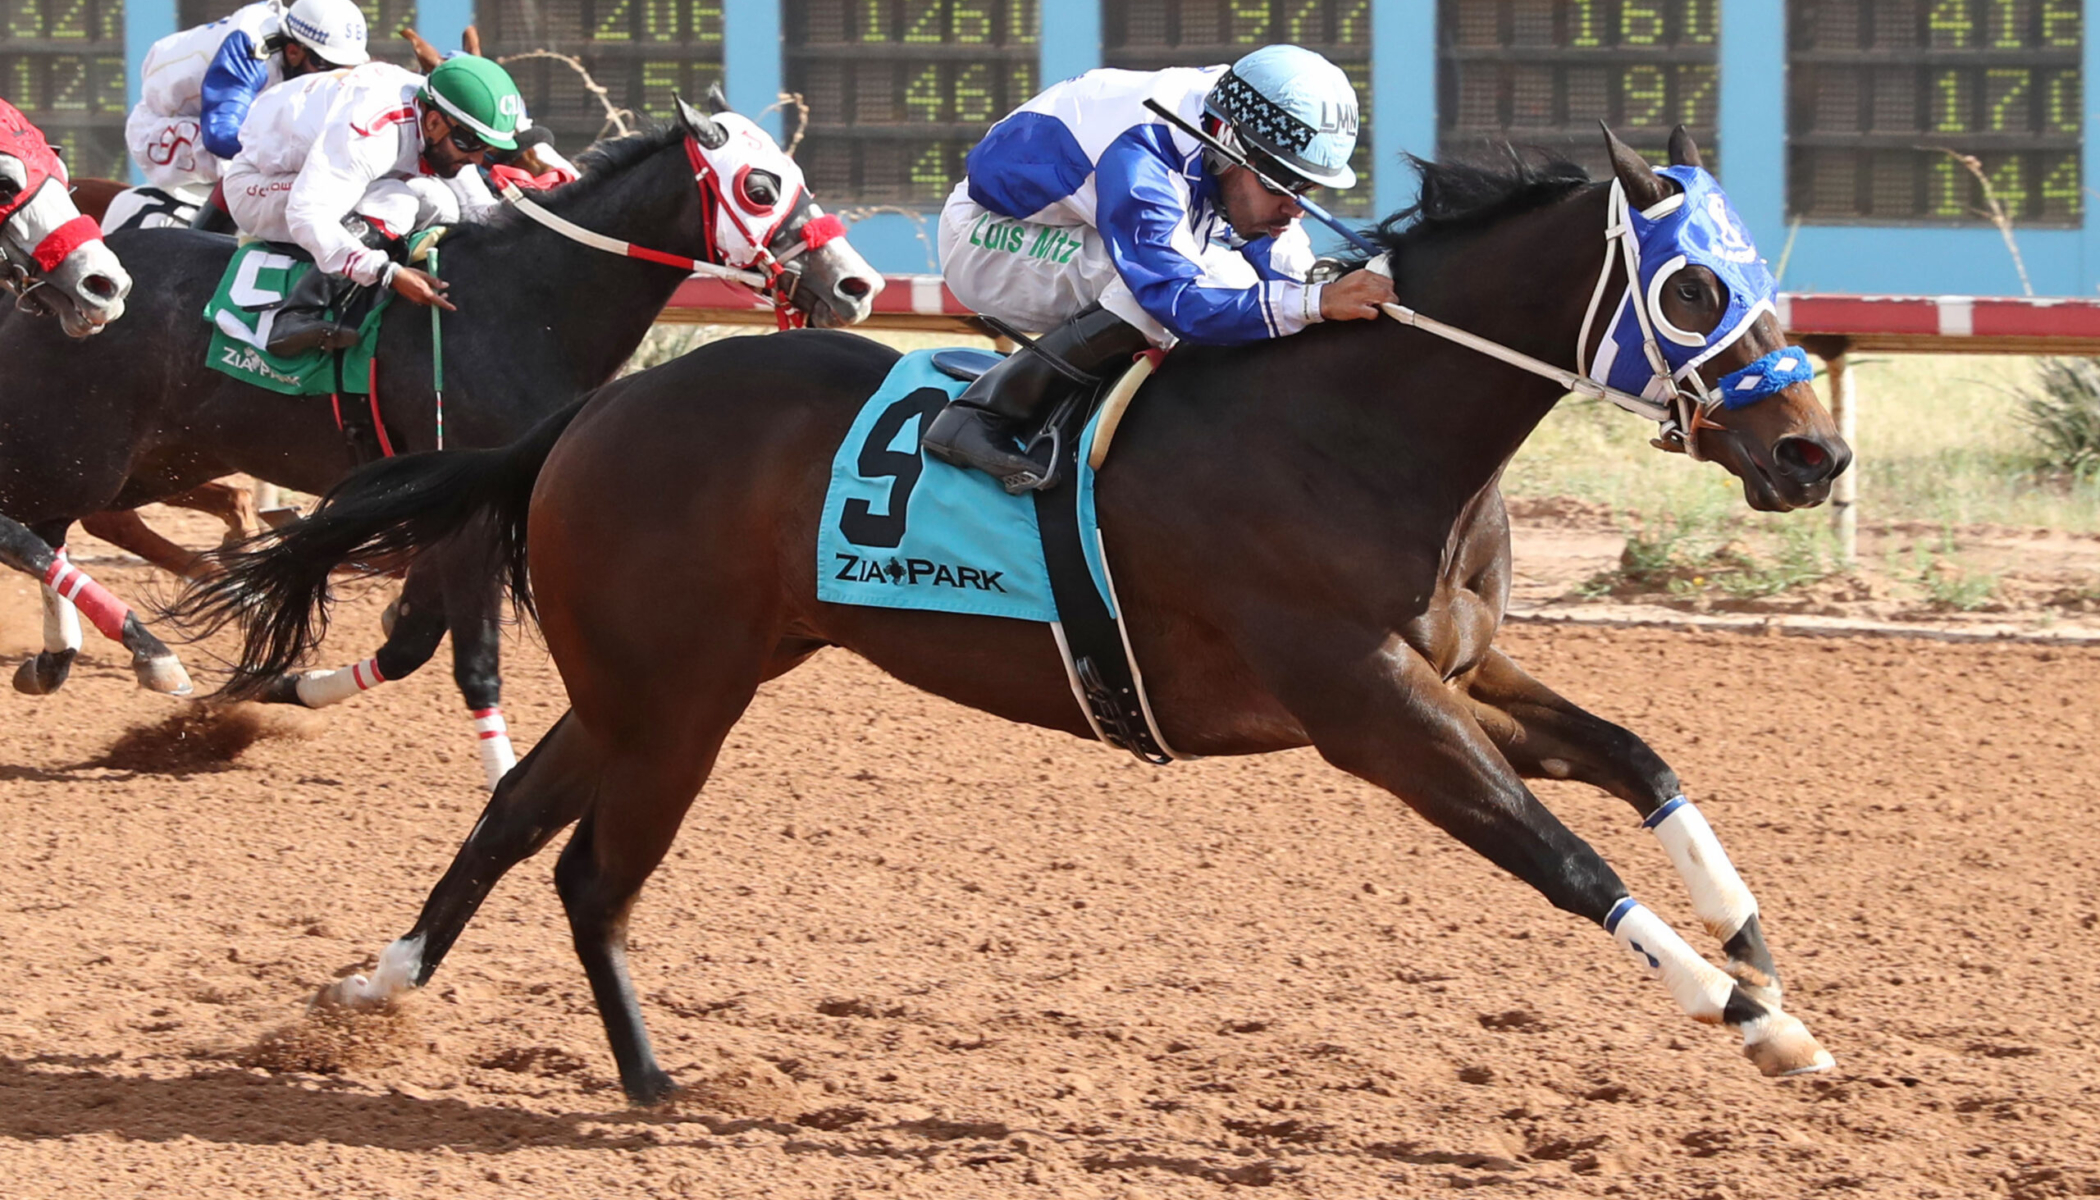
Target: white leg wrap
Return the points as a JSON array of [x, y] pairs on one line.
[[61, 622], [319, 689], [1718, 894], [497, 757], [1700, 988], [396, 974]]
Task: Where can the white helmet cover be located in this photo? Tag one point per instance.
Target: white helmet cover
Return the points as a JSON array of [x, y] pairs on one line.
[[331, 29]]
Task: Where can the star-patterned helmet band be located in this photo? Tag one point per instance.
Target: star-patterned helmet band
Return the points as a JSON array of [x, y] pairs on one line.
[[1260, 121]]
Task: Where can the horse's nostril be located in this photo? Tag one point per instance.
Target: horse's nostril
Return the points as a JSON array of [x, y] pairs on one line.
[[1806, 459], [101, 287], [853, 287]]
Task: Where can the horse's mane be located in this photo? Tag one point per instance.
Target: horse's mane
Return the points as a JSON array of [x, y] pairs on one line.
[[1461, 197], [598, 166]]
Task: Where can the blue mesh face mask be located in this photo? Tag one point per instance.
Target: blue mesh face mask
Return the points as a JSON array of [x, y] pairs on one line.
[[1696, 228]]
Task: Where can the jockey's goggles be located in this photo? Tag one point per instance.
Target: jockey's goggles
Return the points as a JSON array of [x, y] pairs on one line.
[[1267, 168], [463, 139]]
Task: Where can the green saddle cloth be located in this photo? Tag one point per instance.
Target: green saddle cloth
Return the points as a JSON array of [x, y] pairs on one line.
[[242, 311]]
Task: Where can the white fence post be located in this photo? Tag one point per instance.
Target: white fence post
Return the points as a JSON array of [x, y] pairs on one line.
[[1844, 493]]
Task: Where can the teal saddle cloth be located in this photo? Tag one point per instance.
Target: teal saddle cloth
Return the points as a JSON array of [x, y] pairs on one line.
[[902, 530]]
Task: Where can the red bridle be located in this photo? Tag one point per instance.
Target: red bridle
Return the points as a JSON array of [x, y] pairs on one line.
[[815, 233], [26, 144], [766, 271]]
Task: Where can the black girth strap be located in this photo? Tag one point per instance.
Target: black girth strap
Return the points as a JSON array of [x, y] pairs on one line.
[[1093, 638]]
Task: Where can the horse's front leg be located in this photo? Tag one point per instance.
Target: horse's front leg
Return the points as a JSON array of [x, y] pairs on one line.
[[1545, 736], [1375, 708], [67, 588]]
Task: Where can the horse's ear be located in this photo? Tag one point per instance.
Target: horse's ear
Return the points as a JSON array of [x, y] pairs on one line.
[[705, 129], [1644, 188], [1684, 152], [717, 100]]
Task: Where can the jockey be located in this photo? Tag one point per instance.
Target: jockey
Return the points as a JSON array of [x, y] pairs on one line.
[[1084, 216], [196, 86], [346, 164]]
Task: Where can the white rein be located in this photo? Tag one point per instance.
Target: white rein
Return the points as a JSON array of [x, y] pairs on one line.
[[1676, 418]]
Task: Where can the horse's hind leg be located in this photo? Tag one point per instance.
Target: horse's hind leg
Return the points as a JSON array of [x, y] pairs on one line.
[[232, 503], [539, 799], [413, 636], [473, 598], [1389, 718], [42, 554], [648, 784], [1545, 736], [126, 530]]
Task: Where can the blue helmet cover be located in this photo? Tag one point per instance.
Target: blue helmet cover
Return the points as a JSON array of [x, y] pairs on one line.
[[1294, 106], [1697, 228]]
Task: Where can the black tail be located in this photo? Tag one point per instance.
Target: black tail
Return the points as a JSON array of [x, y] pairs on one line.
[[276, 585]]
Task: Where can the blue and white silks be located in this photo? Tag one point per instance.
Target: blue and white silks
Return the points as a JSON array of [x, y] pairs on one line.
[[239, 72], [1087, 152], [1642, 352]]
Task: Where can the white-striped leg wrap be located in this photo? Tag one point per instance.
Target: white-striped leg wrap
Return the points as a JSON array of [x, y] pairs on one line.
[[497, 756], [61, 622], [1700, 988], [1718, 894], [319, 689]]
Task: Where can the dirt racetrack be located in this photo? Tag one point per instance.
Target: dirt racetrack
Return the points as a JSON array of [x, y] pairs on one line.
[[902, 949]]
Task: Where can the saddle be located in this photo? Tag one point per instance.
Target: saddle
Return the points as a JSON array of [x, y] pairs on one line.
[[1098, 659], [258, 278], [1111, 399]]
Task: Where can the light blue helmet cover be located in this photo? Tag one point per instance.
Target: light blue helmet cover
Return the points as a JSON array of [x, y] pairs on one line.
[[1294, 106], [1703, 231]]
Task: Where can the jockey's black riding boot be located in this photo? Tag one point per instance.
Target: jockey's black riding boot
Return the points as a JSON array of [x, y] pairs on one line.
[[978, 428], [212, 216], [303, 323]]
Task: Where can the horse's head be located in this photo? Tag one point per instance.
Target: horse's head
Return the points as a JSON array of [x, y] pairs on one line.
[[760, 202], [53, 258], [1703, 305]]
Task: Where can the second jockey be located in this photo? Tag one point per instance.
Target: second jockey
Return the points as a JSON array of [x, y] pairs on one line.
[[1085, 216], [196, 87], [345, 165]]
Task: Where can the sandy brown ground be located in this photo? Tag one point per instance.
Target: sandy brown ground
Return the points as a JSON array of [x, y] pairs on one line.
[[902, 949]]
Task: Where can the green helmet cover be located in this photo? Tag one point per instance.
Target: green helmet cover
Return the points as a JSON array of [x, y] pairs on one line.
[[479, 94]]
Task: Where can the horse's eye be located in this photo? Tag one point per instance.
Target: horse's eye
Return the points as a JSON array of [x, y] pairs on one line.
[[1688, 292], [761, 189]]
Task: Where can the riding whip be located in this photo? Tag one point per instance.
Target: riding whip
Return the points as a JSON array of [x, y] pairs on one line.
[[1240, 160], [437, 353], [1579, 384]]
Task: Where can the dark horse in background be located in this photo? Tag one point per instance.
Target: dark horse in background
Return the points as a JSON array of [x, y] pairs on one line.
[[138, 416], [1348, 474]]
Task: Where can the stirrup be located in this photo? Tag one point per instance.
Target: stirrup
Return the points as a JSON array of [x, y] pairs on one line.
[[1053, 432]]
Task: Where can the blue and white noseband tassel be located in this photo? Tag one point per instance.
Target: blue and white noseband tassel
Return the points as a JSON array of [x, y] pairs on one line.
[[1642, 352]]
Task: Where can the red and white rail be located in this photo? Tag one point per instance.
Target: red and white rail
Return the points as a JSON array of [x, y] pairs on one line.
[[1945, 324], [906, 302]]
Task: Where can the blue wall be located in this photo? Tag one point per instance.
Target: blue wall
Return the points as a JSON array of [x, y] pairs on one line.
[[1826, 258]]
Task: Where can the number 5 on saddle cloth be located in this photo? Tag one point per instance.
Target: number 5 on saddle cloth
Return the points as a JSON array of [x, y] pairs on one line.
[[901, 530]]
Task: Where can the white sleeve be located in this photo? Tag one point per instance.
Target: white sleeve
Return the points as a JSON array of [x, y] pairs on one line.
[[340, 166], [475, 199], [1291, 252]]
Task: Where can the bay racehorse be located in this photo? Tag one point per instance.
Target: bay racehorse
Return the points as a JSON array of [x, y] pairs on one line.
[[542, 318], [1347, 474]]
